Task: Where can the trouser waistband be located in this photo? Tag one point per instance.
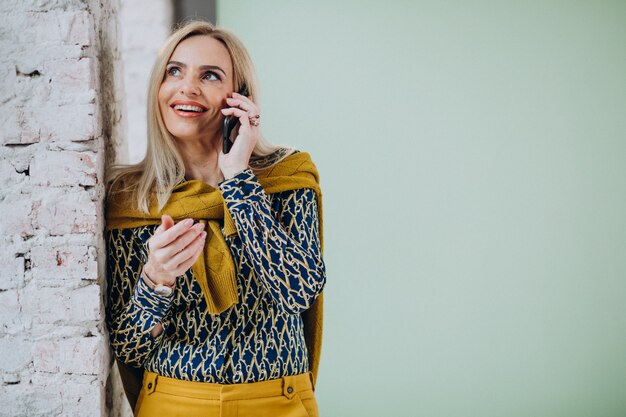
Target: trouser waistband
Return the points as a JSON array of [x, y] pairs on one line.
[[287, 386]]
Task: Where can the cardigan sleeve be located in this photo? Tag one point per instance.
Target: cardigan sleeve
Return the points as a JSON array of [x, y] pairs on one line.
[[283, 247], [133, 308]]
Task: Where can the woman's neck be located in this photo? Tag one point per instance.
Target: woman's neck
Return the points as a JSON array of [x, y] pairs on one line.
[[201, 160]]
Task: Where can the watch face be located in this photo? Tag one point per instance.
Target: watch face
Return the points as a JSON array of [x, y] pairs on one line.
[[163, 290]]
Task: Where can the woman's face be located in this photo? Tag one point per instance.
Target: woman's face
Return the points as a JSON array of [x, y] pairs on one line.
[[197, 80]]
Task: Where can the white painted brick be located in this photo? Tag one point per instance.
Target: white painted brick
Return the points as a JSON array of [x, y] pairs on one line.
[[80, 395], [31, 90], [138, 49], [52, 264], [63, 168], [85, 303], [76, 27], [52, 27], [18, 157], [10, 132], [9, 177], [61, 82], [15, 323], [62, 330], [45, 304], [12, 320], [8, 79], [60, 63], [11, 270], [51, 305], [9, 302], [75, 355], [38, 55], [73, 212], [15, 212], [41, 5], [81, 398], [16, 353], [28, 400], [54, 123], [10, 378], [71, 80]]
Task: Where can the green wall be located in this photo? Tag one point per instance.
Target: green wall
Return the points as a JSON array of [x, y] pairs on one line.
[[472, 156]]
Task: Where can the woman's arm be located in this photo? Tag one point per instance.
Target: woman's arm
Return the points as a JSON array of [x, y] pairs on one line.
[[285, 254], [134, 311]]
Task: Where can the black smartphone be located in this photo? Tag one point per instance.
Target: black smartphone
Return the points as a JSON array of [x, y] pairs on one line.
[[230, 122]]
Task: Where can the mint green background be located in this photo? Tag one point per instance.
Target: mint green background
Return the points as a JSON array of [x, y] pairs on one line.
[[472, 157]]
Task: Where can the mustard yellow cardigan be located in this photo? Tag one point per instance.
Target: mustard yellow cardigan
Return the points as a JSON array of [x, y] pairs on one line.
[[204, 203]]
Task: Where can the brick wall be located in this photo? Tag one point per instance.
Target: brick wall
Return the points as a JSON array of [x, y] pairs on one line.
[[60, 113], [138, 53]]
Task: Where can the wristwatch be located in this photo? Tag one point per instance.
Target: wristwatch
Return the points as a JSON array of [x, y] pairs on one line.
[[160, 289]]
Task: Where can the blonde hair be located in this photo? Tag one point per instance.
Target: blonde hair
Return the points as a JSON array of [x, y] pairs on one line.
[[163, 167]]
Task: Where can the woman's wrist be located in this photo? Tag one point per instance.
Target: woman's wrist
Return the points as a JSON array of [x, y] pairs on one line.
[[147, 276], [231, 172]]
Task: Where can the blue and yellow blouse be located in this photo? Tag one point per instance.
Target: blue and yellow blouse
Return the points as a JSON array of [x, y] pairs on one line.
[[280, 272]]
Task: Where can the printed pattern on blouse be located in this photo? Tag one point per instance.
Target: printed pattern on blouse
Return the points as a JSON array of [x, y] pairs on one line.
[[280, 272]]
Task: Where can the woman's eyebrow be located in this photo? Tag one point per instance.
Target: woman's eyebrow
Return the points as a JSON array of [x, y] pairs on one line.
[[202, 67]]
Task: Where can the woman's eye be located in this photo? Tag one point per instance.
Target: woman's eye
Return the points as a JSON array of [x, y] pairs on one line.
[[211, 74], [171, 70]]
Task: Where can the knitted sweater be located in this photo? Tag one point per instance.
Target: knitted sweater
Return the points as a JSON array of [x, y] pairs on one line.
[[280, 272]]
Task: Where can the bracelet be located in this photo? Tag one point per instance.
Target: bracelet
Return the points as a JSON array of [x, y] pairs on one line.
[[153, 284]]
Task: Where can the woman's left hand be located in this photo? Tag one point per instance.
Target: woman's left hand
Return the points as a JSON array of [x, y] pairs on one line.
[[238, 158]]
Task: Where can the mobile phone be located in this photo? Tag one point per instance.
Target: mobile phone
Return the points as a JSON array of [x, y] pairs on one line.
[[230, 122]]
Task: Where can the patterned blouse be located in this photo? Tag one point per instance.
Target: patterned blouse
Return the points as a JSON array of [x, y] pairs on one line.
[[280, 272]]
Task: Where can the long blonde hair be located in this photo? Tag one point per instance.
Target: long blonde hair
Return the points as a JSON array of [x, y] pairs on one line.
[[163, 167]]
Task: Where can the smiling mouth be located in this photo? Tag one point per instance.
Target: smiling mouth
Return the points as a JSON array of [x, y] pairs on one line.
[[187, 108]]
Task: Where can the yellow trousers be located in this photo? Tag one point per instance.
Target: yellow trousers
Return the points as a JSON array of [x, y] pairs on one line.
[[290, 396]]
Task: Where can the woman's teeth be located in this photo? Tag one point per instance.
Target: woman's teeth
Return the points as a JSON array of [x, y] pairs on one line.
[[186, 107]]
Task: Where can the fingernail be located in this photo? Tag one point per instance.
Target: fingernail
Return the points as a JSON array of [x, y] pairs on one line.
[[188, 222], [203, 235]]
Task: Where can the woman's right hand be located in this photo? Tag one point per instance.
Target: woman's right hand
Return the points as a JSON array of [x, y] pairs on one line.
[[173, 249]]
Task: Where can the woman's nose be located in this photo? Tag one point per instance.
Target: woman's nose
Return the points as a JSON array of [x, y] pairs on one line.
[[190, 87]]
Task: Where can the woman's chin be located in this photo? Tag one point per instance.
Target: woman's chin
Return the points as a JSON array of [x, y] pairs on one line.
[[191, 132], [187, 135]]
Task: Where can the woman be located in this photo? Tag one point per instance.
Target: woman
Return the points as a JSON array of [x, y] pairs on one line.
[[215, 270]]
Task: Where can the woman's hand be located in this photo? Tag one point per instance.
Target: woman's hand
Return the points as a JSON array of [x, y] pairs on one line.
[[173, 249], [238, 157]]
